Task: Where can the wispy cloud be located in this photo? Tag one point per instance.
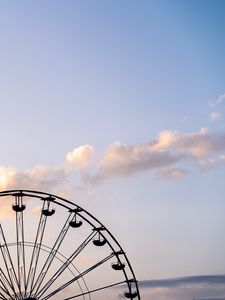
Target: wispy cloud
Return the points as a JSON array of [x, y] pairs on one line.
[[217, 101], [215, 116], [171, 173]]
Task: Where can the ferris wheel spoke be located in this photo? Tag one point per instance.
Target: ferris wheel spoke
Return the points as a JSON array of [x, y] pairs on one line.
[[43, 269], [5, 295], [36, 250], [96, 290], [12, 278], [5, 284], [82, 274], [2, 297], [52, 254], [66, 264], [19, 207], [4, 288], [4, 291]]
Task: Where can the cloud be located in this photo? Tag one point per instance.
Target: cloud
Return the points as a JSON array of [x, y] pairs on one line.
[[191, 292], [211, 287], [166, 156], [44, 176], [122, 160], [36, 210], [6, 174], [80, 156], [171, 173], [208, 163], [165, 140], [200, 144], [215, 116], [55, 179], [184, 281], [217, 101], [40, 177], [203, 298]]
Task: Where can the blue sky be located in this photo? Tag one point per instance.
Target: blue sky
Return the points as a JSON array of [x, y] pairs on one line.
[[137, 89]]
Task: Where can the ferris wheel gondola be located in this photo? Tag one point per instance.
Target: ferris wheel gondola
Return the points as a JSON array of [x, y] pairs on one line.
[[51, 248]]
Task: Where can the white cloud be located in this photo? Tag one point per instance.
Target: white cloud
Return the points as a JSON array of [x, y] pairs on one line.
[[217, 101], [122, 160], [161, 155], [45, 178], [165, 140], [40, 177], [80, 156], [214, 116], [200, 143], [164, 156], [6, 174]]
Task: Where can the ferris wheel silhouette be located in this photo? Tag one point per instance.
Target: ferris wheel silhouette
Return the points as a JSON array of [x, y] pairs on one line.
[[51, 248]]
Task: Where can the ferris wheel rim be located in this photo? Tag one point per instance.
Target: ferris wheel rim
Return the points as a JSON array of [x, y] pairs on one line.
[[79, 210]]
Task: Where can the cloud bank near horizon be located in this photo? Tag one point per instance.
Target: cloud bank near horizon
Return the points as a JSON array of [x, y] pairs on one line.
[[183, 281], [170, 156], [205, 287]]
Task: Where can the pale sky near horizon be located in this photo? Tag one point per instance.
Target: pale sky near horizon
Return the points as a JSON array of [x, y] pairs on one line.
[[120, 105]]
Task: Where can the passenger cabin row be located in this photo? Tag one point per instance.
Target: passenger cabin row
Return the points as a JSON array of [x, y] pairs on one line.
[[99, 241]]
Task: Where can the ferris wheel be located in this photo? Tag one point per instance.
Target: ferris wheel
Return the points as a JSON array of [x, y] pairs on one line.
[[51, 248]]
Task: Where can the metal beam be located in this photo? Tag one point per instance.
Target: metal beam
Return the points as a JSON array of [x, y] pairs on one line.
[[20, 245], [65, 264], [97, 290], [12, 278], [3, 285], [51, 255], [78, 277], [35, 253]]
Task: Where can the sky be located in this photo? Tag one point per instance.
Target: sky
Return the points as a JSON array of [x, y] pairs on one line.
[[119, 106]]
